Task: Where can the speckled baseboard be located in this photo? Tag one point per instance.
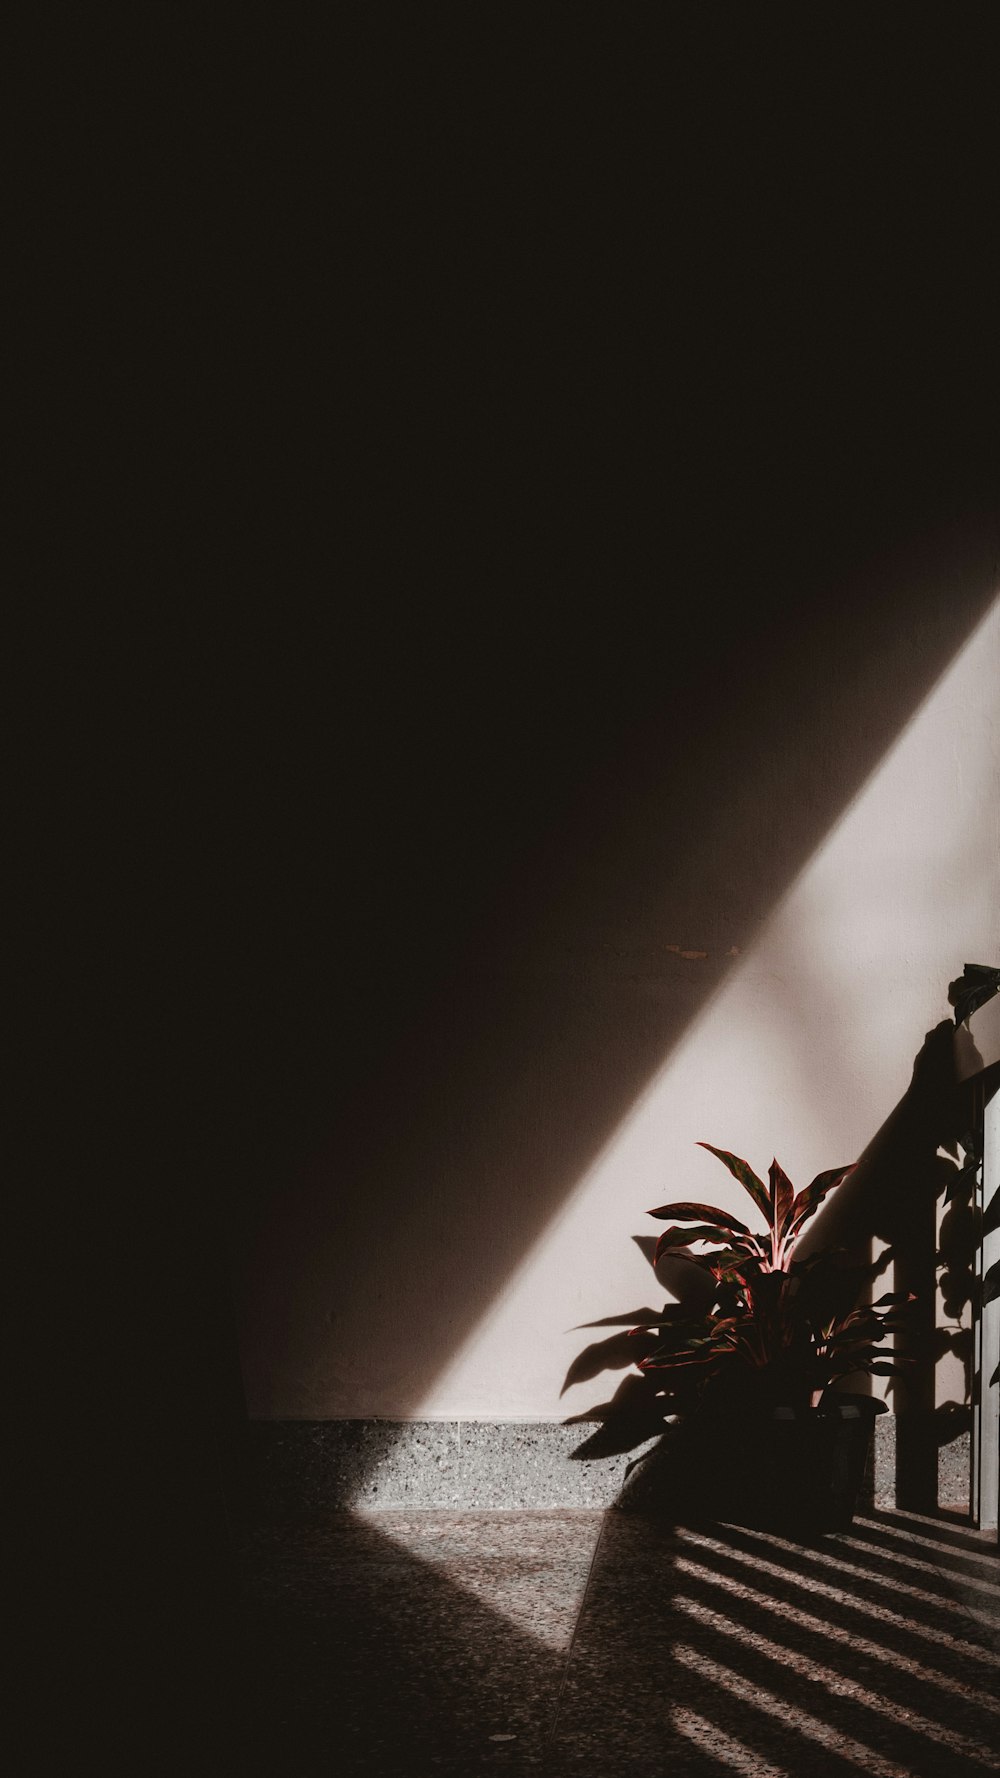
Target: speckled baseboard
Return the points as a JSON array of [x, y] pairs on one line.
[[306, 1466], [953, 1471], [303, 1467]]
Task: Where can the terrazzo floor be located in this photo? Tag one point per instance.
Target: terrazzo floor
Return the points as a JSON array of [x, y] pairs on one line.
[[574, 1641]]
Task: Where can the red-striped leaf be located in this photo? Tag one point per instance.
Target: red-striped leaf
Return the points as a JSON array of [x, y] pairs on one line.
[[701, 1213], [861, 1321], [745, 1174], [811, 1197], [677, 1237], [734, 1260], [782, 1198], [674, 1361], [861, 1351], [683, 1336], [675, 1242], [686, 1253], [668, 1246]]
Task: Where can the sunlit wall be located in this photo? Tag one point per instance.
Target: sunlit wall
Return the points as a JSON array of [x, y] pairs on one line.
[[739, 933], [801, 1053]]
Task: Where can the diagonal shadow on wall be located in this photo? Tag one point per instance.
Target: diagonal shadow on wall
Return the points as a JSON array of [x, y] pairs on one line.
[[421, 1105]]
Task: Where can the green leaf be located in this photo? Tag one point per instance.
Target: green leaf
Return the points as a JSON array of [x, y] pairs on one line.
[[991, 1283], [746, 1176]]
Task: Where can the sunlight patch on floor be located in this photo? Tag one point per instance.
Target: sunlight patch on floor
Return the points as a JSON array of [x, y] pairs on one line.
[[762, 1570], [857, 1645], [838, 1683], [538, 1591], [791, 1716], [724, 1747]]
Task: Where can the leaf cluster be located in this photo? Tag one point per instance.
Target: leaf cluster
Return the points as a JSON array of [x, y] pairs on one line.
[[778, 1330]]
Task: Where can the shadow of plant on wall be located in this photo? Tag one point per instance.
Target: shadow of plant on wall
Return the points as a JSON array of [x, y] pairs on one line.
[[967, 1220], [759, 1363], [958, 1244]]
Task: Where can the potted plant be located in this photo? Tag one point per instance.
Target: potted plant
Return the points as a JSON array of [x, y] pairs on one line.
[[749, 1383]]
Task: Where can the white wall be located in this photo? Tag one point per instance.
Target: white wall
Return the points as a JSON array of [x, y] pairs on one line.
[[801, 1054], [820, 831]]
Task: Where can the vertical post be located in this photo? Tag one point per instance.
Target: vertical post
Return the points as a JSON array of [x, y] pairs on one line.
[[986, 1394], [916, 1477]]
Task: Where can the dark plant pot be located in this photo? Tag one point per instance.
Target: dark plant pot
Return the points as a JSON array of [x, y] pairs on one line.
[[805, 1469], [799, 1472]]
